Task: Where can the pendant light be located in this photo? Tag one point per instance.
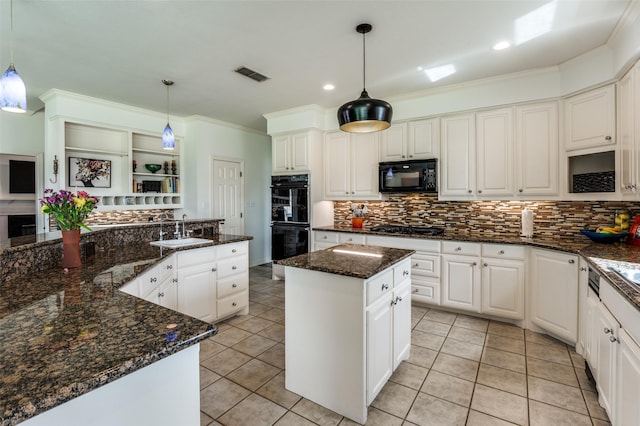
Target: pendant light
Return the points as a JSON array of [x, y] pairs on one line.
[[13, 94], [364, 115], [168, 138]]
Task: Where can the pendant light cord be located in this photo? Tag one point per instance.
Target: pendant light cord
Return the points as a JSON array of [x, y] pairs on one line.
[[364, 62], [11, 37], [167, 104]]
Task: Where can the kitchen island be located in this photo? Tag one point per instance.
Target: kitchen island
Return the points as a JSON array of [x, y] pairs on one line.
[[74, 347], [348, 324]]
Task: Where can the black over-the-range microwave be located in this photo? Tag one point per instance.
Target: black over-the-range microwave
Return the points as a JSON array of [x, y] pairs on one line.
[[409, 176]]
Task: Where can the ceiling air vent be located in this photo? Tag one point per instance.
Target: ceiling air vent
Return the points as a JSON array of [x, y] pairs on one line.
[[253, 75]]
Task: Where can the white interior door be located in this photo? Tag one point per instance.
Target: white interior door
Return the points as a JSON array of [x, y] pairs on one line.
[[228, 195]]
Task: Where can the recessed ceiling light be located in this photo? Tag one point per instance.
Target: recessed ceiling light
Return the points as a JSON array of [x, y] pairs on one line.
[[328, 86], [501, 45]]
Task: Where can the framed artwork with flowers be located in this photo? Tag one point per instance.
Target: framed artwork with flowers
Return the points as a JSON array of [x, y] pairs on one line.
[[89, 173]]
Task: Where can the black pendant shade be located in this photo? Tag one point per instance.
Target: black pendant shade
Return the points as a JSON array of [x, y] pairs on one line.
[[364, 115]]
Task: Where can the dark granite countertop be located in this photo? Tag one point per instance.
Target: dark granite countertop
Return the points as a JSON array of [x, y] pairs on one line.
[[352, 260], [600, 256], [65, 333]]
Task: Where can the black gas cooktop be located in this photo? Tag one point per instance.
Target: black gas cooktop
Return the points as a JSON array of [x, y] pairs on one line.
[[399, 229]]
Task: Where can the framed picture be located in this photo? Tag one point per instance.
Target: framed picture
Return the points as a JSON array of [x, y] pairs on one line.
[[89, 173]]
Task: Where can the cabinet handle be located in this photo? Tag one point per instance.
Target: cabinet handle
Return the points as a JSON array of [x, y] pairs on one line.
[[234, 267], [501, 252], [415, 290], [458, 248], [175, 280], [571, 261], [234, 285], [405, 273], [153, 279], [607, 138], [520, 190], [583, 268], [233, 251], [612, 339], [485, 264], [347, 192], [160, 294], [213, 269], [607, 330], [234, 304], [169, 266], [479, 191], [385, 287], [474, 264], [416, 265]]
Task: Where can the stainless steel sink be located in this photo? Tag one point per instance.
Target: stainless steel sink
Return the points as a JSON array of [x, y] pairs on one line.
[[632, 276], [184, 242]]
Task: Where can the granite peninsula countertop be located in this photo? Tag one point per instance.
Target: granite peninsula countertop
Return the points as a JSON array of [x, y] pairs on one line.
[[351, 260], [65, 333], [599, 256]]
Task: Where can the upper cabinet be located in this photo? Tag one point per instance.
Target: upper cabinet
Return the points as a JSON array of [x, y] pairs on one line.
[[590, 119], [494, 156], [458, 157], [410, 141], [351, 166], [629, 131], [290, 153]]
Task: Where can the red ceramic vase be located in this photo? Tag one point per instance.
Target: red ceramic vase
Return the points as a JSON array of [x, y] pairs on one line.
[[356, 222], [71, 249]]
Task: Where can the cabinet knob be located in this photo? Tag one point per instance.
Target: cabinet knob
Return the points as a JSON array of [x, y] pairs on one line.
[[607, 330], [416, 265], [234, 267], [403, 156], [352, 192], [501, 252], [385, 287], [469, 191], [213, 269], [612, 339], [415, 290], [458, 248], [607, 138], [398, 299], [234, 250], [347, 192], [479, 191], [234, 285], [153, 279], [350, 239], [325, 237], [411, 156], [485, 264], [583, 269], [520, 190], [474, 264], [234, 304], [571, 261]]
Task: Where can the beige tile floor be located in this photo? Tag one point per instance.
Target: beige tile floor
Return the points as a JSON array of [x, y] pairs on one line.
[[462, 370]]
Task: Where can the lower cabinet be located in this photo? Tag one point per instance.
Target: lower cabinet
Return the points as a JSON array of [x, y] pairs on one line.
[[553, 292], [627, 381], [461, 282], [605, 335], [197, 291], [503, 288]]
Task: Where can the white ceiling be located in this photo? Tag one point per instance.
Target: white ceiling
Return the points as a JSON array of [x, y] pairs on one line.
[[119, 50]]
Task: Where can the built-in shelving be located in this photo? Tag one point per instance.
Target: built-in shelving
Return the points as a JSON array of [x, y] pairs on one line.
[[96, 151]]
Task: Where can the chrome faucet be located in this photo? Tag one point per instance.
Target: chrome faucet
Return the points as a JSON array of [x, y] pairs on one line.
[[184, 221], [161, 233]]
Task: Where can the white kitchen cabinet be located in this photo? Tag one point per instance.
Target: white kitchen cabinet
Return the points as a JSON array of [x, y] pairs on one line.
[[165, 294], [413, 140], [351, 166], [232, 279], [627, 381], [401, 317], [458, 156], [323, 240], [461, 282], [503, 288], [553, 303], [584, 317], [590, 119], [590, 343], [605, 336], [379, 344], [197, 291], [158, 274], [537, 149], [290, 153], [494, 155], [629, 131]]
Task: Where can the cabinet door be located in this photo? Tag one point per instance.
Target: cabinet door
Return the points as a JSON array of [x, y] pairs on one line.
[[168, 294], [494, 175], [299, 153], [280, 154], [503, 288], [590, 339], [379, 345], [627, 132], [583, 316], [197, 291], [458, 171], [393, 143], [537, 149], [589, 119], [424, 139], [364, 164], [606, 332], [554, 293], [627, 410], [401, 322], [461, 282], [336, 165]]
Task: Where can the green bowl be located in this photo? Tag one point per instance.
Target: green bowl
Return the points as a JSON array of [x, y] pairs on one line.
[[153, 167]]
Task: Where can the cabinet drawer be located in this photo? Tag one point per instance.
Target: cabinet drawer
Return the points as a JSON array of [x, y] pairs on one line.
[[234, 249], [235, 265], [402, 272], [233, 303], [426, 265], [131, 288], [348, 238], [503, 251], [425, 291], [379, 285], [233, 284], [326, 237], [196, 256], [149, 281], [459, 247]]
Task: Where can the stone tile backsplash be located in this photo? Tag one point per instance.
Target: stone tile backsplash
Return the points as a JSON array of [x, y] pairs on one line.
[[551, 218]]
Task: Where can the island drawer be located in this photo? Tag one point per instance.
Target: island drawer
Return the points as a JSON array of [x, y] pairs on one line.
[[232, 249], [326, 237], [379, 285], [402, 272], [229, 305], [506, 251], [234, 284], [235, 265], [462, 248]]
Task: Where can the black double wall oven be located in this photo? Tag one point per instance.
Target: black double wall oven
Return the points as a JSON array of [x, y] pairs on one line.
[[289, 216]]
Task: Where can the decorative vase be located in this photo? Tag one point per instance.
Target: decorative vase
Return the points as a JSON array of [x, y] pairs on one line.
[[356, 222], [71, 249]]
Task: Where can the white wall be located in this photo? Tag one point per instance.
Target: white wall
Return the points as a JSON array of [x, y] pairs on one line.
[[207, 138]]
